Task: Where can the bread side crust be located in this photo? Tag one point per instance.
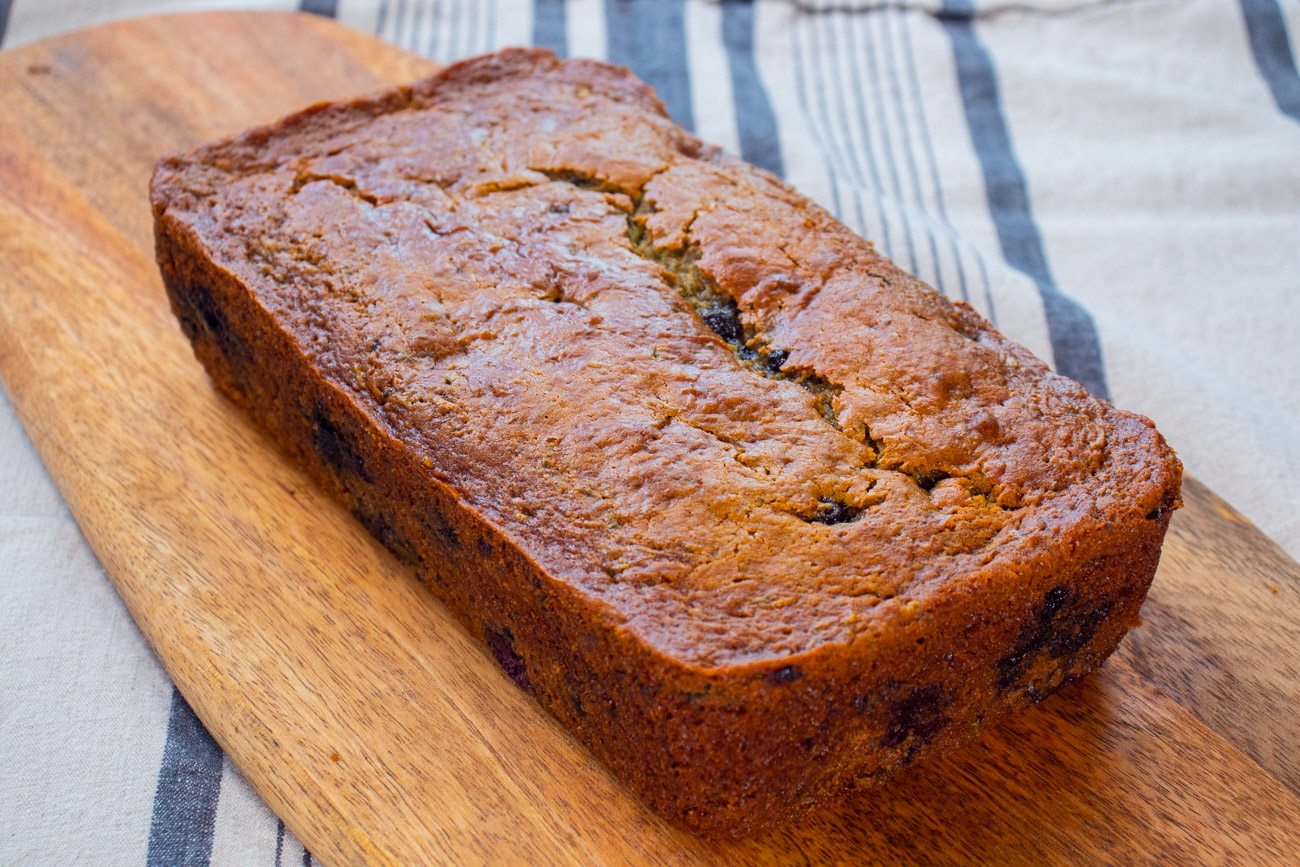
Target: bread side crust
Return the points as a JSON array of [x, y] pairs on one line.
[[728, 751]]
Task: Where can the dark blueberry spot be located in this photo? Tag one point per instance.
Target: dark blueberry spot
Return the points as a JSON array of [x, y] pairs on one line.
[[200, 315], [438, 525], [373, 521], [485, 547], [724, 321], [927, 481], [1077, 631], [699, 693], [391, 539], [502, 644], [919, 714], [808, 745], [775, 359], [559, 208], [1160, 511], [832, 511], [787, 674], [577, 702], [333, 446], [214, 319], [1054, 630]]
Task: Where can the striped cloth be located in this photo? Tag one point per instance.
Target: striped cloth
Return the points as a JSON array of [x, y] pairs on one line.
[[1115, 184]]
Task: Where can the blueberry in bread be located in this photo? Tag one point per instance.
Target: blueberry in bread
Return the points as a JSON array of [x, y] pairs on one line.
[[754, 513]]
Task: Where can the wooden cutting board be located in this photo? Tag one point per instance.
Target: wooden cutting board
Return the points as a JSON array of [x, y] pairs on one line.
[[357, 706]]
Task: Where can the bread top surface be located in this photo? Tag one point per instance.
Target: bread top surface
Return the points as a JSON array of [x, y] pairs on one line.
[[675, 383]]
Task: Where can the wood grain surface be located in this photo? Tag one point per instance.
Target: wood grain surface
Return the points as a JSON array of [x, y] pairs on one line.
[[359, 709]]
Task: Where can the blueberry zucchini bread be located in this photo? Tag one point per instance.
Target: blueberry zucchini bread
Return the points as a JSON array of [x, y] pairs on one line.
[[756, 515]]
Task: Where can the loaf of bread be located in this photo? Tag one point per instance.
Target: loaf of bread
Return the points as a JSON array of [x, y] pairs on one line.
[[756, 515]]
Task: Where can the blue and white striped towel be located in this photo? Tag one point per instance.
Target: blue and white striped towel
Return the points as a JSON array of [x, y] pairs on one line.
[[1114, 183]]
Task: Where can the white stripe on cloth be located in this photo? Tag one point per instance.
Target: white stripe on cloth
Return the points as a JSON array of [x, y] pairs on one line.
[[360, 15], [514, 23], [715, 107], [83, 700], [247, 833], [585, 20], [442, 30]]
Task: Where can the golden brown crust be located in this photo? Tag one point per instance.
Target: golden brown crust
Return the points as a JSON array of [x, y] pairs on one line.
[[754, 513]]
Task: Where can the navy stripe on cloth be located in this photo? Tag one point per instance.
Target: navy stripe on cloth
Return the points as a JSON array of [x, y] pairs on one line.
[[1076, 348], [755, 122], [5, 6], [185, 802], [649, 37], [328, 8], [1272, 49], [549, 26]]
